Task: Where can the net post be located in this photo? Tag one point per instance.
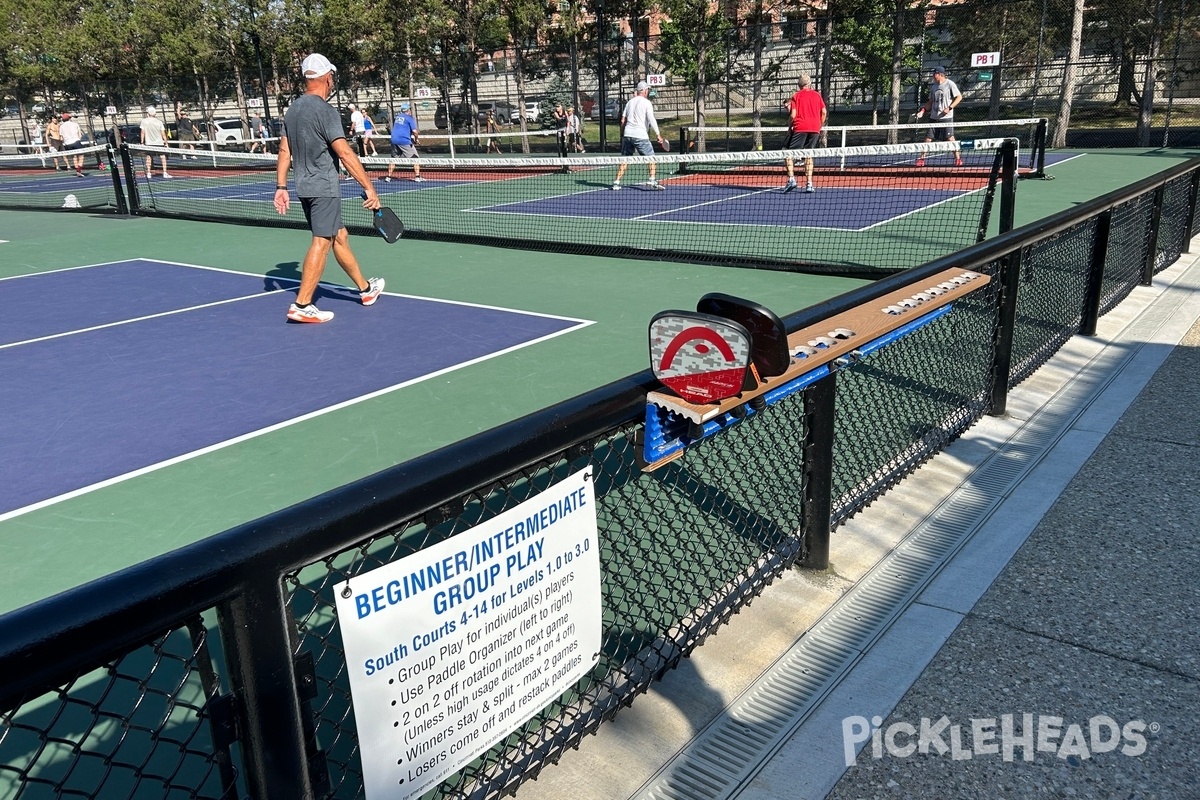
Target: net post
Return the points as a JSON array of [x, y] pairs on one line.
[[681, 167], [1037, 151], [1095, 278], [115, 174], [135, 204], [1008, 185], [1152, 236], [817, 491], [1006, 322]]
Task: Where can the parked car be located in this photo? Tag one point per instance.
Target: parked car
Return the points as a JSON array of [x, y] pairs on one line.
[[612, 109], [227, 130], [533, 110], [459, 117], [505, 112]]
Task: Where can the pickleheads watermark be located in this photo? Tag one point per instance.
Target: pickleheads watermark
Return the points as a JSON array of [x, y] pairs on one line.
[[1027, 733]]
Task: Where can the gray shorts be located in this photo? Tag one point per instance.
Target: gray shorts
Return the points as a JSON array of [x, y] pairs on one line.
[[641, 146], [942, 134], [324, 215], [404, 150]]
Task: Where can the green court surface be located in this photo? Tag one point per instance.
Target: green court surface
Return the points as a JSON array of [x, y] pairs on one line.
[[58, 546]]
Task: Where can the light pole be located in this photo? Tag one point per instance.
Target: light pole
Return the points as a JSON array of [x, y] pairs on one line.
[[602, 71]]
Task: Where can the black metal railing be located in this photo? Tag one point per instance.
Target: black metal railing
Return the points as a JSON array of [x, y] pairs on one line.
[[217, 670]]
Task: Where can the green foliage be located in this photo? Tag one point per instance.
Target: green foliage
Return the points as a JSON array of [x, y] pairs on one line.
[[693, 41], [863, 46]]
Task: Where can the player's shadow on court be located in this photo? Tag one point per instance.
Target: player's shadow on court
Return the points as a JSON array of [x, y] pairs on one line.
[[284, 275]]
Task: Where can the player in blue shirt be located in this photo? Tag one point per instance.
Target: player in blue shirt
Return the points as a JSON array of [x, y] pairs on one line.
[[404, 142]]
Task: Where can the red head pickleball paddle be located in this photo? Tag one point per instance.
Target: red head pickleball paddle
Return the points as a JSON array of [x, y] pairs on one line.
[[769, 351], [700, 357]]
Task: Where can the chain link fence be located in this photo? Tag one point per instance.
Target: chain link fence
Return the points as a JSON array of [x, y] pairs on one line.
[[218, 671]]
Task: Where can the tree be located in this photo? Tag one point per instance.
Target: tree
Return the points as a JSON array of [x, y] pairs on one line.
[[1067, 92], [692, 48]]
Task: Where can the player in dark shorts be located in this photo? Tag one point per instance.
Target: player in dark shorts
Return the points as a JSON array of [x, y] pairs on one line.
[[314, 141], [808, 114]]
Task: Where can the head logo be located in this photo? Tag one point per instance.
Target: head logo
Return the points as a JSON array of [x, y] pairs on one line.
[[700, 357]]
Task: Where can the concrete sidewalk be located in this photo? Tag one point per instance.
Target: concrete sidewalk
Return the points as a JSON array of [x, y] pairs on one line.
[[1065, 603]]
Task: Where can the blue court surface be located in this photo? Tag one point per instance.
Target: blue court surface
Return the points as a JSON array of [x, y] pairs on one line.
[[833, 208], [128, 366]]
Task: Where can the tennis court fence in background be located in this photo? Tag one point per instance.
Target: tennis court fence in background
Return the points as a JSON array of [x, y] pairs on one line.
[[219, 670]]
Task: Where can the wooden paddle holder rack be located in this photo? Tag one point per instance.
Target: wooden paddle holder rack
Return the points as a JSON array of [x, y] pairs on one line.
[[672, 423]]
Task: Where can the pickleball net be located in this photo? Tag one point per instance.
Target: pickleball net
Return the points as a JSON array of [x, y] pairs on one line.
[[1029, 132], [872, 209], [43, 179]]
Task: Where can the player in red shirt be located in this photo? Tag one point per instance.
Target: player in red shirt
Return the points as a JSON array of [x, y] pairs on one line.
[[807, 110]]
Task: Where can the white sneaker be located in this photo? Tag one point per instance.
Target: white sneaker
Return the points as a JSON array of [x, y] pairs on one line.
[[166, 175], [418, 179], [616, 187], [656, 186], [809, 187], [791, 184], [372, 292], [309, 313]]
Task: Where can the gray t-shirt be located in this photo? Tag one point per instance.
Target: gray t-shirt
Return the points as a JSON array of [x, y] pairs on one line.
[[311, 127], [941, 95]]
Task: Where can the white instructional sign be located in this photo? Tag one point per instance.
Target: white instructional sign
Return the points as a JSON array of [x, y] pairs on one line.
[[424, 92], [658, 79], [454, 647], [984, 60]]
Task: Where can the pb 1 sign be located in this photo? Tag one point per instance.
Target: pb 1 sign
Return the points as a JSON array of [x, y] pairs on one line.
[[984, 60], [656, 80]]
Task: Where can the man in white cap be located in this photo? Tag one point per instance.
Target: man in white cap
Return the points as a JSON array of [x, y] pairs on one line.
[[404, 142], [154, 134], [637, 120], [314, 141]]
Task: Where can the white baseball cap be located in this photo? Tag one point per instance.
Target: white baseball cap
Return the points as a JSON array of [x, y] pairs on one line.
[[316, 65], [642, 86], [150, 110]]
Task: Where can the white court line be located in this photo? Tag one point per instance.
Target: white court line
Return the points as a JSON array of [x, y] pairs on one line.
[[277, 426], [260, 276], [709, 203], [139, 319]]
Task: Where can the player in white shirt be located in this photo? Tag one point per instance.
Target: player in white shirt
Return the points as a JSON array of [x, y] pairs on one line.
[[154, 134], [637, 120]]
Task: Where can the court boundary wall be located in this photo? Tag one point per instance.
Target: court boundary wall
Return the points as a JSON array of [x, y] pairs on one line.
[[217, 670]]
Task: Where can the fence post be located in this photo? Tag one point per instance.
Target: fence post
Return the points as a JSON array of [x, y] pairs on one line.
[[1006, 323], [254, 626], [817, 492], [1152, 239], [1188, 224], [1095, 278]]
